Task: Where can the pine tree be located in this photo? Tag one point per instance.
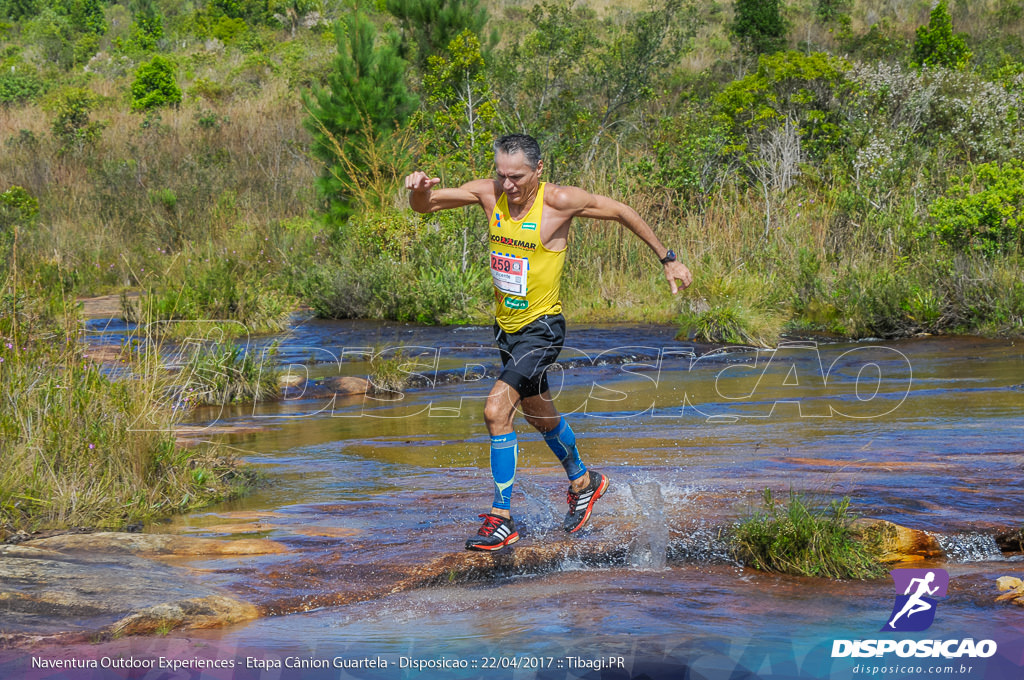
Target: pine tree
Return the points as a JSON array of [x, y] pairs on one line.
[[354, 117], [937, 45], [431, 25], [759, 25]]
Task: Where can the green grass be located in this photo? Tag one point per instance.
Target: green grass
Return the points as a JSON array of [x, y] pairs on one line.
[[82, 449], [802, 539], [227, 373]]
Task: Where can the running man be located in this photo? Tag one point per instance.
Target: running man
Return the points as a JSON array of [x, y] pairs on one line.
[[529, 227], [916, 604]]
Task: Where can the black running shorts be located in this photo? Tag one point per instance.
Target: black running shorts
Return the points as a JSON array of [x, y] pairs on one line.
[[526, 354]]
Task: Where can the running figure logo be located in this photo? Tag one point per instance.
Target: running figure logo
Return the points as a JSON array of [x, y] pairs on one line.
[[914, 609]]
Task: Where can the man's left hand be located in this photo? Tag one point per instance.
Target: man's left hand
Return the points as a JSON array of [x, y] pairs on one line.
[[677, 271]]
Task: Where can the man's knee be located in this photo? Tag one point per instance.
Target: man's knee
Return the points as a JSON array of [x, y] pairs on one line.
[[499, 410]]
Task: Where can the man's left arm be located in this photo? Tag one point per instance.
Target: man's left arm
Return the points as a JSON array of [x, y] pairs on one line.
[[595, 206]]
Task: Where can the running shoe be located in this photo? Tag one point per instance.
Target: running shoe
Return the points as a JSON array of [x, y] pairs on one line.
[[495, 534], [582, 502]]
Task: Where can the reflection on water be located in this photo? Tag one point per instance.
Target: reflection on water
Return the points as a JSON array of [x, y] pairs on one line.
[[926, 433]]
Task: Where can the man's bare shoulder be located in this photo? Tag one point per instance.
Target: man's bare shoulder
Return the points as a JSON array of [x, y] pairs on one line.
[[566, 198], [482, 188], [577, 202]]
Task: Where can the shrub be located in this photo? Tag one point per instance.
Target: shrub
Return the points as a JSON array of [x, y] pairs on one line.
[[154, 85], [806, 88], [72, 126], [16, 88], [982, 210]]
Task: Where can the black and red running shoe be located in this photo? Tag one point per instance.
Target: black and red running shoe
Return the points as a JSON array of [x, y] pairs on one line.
[[582, 502], [495, 534]]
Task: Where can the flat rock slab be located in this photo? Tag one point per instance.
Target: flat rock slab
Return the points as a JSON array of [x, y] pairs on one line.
[[111, 543], [105, 583]]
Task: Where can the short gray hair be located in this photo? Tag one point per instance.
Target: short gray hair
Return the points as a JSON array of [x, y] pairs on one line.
[[514, 143]]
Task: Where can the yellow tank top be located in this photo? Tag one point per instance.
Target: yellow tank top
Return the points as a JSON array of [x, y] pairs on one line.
[[527, 276]]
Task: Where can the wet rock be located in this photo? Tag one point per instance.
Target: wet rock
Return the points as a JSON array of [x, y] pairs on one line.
[[1012, 589], [155, 544], [1011, 541], [211, 611], [347, 384], [898, 543], [290, 381], [43, 591], [1005, 583]]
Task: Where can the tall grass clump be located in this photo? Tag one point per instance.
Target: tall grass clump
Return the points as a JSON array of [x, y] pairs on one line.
[[80, 448], [801, 539], [227, 373]]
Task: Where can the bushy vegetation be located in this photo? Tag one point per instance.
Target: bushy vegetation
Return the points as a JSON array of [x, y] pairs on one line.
[[806, 540], [843, 167], [81, 448]]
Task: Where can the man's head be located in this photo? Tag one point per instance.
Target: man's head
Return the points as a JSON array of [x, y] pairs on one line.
[[518, 166]]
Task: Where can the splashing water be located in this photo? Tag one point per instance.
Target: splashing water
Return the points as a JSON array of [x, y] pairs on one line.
[[649, 549], [969, 547]]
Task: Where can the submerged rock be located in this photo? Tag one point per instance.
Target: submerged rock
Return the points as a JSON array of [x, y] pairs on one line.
[[347, 384], [105, 583], [211, 611], [106, 542]]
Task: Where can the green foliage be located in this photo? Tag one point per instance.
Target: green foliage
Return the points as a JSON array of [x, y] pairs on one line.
[[685, 161], [354, 119], [580, 83], [937, 45], [228, 373], [19, 10], [18, 209], [832, 10], [24, 205], [430, 26], [389, 265], [759, 25], [983, 210], [81, 448], [154, 85], [147, 28], [805, 540], [806, 88], [458, 121], [72, 127], [221, 289]]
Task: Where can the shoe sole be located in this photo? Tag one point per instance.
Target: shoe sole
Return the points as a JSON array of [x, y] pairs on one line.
[[512, 538], [602, 487]]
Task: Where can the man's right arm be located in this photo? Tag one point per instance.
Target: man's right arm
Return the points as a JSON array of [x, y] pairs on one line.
[[423, 198]]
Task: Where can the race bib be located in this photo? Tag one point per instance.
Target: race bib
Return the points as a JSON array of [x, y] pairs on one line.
[[509, 273]]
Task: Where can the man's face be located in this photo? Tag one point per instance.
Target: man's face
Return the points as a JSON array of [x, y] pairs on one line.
[[517, 179]]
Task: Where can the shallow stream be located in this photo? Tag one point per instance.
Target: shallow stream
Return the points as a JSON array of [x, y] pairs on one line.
[[927, 433]]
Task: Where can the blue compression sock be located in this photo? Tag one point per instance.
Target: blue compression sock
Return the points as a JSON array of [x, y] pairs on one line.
[[504, 457], [562, 441]]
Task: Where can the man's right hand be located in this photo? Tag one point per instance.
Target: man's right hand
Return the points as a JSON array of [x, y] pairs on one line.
[[420, 181]]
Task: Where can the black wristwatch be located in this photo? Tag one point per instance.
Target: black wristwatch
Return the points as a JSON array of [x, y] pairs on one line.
[[670, 256]]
